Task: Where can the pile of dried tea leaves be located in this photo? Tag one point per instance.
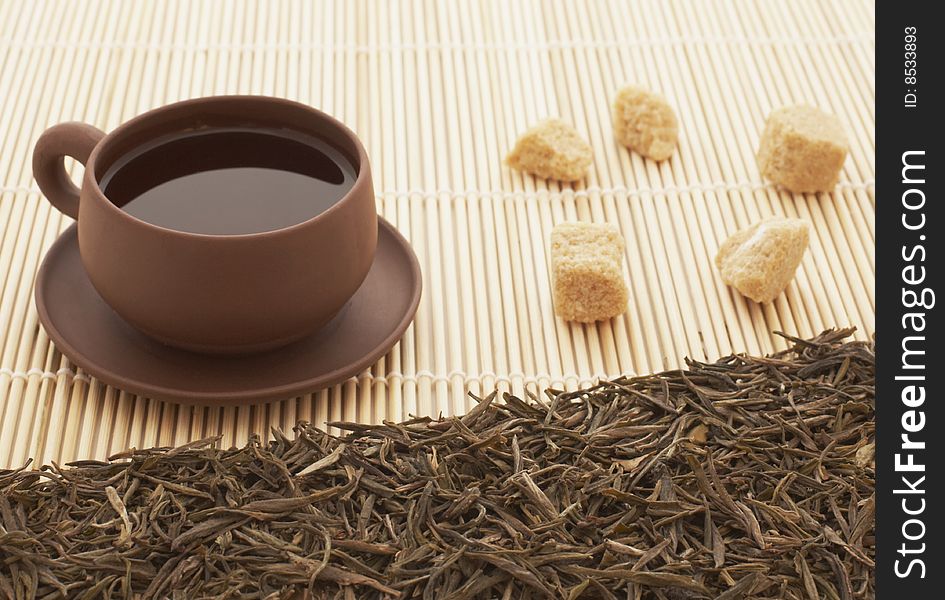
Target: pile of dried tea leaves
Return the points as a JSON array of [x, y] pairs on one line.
[[748, 477]]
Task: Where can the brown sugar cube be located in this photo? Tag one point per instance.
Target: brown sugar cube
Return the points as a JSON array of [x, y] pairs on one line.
[[586, 260], [802, 149], [552, 149], [645, 123], [759, 261]]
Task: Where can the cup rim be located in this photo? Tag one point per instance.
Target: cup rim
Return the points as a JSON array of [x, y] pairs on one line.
[[361, 180]]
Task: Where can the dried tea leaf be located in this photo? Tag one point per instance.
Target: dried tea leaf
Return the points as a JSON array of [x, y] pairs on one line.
[[124, 538], [631, 464], [866, 456], [699, 434]]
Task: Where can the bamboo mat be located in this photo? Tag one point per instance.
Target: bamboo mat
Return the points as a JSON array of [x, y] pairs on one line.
[[438, 91]]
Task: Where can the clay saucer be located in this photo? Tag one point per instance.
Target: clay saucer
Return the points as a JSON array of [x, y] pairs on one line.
[[89, 333]]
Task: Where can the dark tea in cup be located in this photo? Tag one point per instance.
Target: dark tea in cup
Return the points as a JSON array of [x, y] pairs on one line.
[[229, 181]]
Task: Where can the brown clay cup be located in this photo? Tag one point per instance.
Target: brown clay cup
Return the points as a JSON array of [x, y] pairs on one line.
[[226, 294]]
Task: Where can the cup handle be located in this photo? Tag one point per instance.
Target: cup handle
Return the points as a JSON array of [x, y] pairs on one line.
[[65, 139]]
